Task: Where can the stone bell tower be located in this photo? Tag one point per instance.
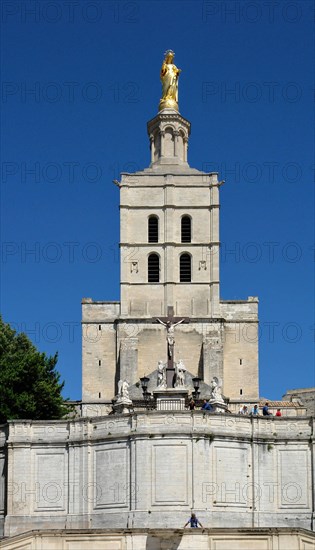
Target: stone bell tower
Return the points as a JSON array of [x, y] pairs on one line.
[[169, 242], [169, 229]]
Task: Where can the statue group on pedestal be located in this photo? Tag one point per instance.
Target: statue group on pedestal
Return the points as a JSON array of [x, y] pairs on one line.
[[180, 371]]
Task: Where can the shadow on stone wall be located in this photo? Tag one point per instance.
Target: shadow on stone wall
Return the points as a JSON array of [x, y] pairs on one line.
[[164, 542]]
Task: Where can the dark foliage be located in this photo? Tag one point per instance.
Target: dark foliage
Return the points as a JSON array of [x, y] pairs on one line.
[[30, 386]]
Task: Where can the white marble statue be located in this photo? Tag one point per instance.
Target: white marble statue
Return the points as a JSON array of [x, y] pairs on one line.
[[170, 335], [216, 389], [180, 370], [123, 392], [161, 376]]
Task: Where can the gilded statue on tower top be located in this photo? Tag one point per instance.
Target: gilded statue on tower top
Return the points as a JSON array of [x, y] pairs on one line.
[[169, 77]]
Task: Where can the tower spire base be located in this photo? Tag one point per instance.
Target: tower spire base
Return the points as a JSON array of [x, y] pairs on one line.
[[168, 133]]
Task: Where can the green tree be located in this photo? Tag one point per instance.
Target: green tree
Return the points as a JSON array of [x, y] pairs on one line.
[[30, 386]]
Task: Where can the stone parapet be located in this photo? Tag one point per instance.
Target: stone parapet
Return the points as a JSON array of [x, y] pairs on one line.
[[161, 423], [240, 310], [163, 539], [99, 312]]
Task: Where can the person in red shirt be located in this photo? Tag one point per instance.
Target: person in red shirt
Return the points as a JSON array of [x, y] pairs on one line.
[[278, 413]]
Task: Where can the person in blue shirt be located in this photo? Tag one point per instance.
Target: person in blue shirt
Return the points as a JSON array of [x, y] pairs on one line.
[[266, 411], [193, 521], [206, 406], [255, 410]]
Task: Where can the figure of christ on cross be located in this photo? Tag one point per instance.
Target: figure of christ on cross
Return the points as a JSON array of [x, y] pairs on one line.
[[170, 322]]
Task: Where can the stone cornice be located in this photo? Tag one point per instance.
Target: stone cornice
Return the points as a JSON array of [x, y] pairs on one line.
[[170, 116], [169, 243], [158, 424]]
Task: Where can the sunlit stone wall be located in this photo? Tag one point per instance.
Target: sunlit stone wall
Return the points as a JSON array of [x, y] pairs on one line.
[[151, 469]]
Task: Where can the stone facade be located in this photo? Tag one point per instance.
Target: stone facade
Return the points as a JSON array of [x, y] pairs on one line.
[[149, 470], [123, 340]]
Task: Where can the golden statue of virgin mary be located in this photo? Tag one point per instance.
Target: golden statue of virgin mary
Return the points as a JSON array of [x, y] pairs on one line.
[[169, 77]]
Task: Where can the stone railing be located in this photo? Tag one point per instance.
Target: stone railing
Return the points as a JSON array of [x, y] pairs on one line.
[[164, 539]]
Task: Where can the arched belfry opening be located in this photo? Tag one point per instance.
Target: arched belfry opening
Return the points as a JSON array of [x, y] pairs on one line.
[[153, 229], [186, 229], [185, 268], [153, 268]]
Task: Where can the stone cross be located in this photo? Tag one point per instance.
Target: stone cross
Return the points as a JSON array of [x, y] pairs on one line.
[[170, 322]]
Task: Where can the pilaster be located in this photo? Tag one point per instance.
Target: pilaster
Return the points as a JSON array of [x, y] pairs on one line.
[[213, 355], [128, 360]]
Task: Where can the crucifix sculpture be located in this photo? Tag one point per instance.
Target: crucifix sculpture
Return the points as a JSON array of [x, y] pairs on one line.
[[170, 322]]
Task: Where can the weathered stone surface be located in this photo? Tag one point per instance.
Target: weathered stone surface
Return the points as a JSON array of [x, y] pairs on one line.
[[164, 539], [209, 347], [151, 469]]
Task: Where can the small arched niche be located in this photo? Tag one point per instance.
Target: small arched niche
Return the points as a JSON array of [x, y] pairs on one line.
[[181, 145], [157, 146], [169, 143]]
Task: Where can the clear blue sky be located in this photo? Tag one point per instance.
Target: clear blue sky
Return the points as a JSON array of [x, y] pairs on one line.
[[247, 88]]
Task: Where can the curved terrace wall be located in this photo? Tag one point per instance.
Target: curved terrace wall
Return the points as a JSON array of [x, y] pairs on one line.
[[152, 468]]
